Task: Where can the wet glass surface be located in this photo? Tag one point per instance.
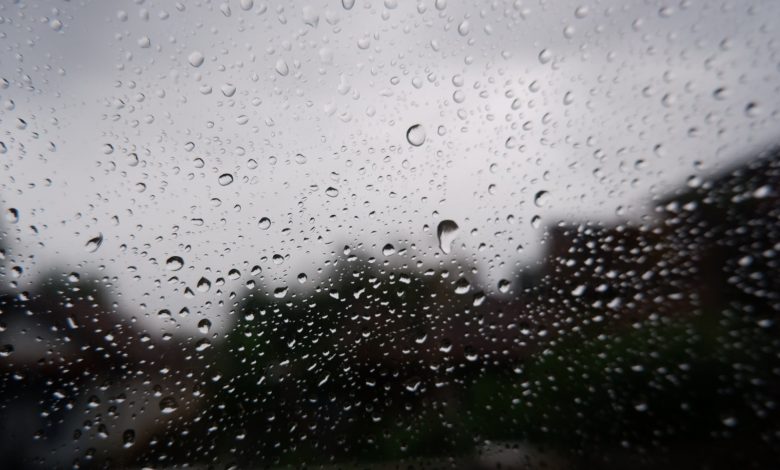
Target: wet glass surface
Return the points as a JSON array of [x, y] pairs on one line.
[[350, 234]]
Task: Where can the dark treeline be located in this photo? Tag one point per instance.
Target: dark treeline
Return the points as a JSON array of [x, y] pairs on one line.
[[630, 346]]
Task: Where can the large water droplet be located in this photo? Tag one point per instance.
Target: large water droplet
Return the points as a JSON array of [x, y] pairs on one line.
[[12, 215], [545, 56], [463, 28], [94, 243], [280, 292], [228, 90], [195, 58], [225, 179], [202, 345], [264, 223], [462, 286], [168, 405], [415, 135], [541, 198], [128, 438], [446, 232], [174, 263], [282, 68], [204, 284]]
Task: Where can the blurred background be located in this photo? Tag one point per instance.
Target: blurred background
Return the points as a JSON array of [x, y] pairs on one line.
[[353, 234]]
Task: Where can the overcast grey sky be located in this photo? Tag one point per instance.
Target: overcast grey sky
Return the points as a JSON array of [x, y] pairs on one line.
[[602, 105]]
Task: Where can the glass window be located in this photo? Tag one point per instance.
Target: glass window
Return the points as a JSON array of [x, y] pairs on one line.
[[381, 233]]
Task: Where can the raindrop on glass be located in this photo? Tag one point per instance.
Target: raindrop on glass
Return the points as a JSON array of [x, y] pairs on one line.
[[415, 135], [447, 231], [168, 405], [225, 179], [174, 263], [94, 243], [195, 58]]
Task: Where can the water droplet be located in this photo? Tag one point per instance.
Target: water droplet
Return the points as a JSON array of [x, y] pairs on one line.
[[264, 223], [280, 292], [503, 286], [462, 286], [388, 250], [541, 198], [752, 110], [204, 284], [545, 56], [246, 5], [225, 9], [302, 278], [282, 68], [12, 215], [168, 405], [204, 326], [128, 438], [729, 421], [6, 350], [332, 192], [174, 263], [195, 58], [470, 354], [446, 232], [310, 16], [225, 179], [463, 27], [415, 135], [228, 90], [347, 4], [94, 243]]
